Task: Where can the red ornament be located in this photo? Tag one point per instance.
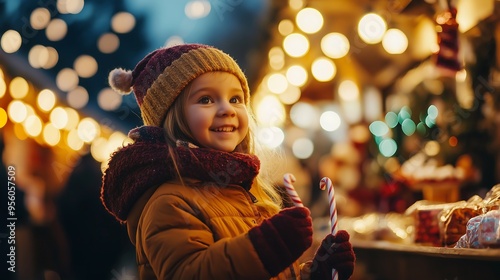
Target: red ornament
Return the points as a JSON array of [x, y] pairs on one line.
[[447, 56]]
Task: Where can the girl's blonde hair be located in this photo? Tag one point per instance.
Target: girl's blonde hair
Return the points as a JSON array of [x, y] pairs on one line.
[[176, 128]]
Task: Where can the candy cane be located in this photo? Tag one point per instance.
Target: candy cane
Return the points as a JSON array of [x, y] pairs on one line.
[[289, 179], [326, 183]]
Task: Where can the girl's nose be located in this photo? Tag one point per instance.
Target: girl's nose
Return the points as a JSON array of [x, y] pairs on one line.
[[226, 109]]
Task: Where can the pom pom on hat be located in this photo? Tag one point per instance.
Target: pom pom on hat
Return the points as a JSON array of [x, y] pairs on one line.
[[121, 80]]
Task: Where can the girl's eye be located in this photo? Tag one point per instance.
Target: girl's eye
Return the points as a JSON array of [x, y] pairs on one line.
[[205, 100], [236, 99]]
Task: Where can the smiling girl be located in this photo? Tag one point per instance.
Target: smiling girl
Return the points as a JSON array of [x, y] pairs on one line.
[[189, 188]]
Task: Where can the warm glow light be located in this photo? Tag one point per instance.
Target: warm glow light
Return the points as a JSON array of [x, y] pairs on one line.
[[323, 69], [424, 39], [74, 141], [67, 79], [304, 115], [309, 20], [296, 45], [470, 13], [285, 27], [3, 117], [88, 130], [276, 58], [17, 111], [296, 4], [70, 6], [19, 131], [38, 56], [108, 43], [271, 137], [33, 125], [452, 141], [174, 41], [122, 22], [371, 28], [432, 148], [350, 101], [11, 41], [197, 9], [18, 88], [372, 104], [353, 112], [29, 109], [52, 59], [335, 45], [277, 83], [39, 18], [461, 75], [78, 98], [3, 87], [291, 95], [85, 66], [59, 117], [348, 90], [270, 111], [51, 135], [330, 121], [395, 41], [73, 119], [98, 149], [302, 148], [56, 30], [296, 75], [116, 140], [109, 100], [46, 100]]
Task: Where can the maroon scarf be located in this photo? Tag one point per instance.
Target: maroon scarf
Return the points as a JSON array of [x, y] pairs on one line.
[[147, 163]]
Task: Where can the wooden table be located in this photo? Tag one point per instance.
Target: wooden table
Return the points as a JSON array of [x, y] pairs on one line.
[[382, 260]]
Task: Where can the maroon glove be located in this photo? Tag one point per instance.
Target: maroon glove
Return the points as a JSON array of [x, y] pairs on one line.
[[334, 252], [281, 239]]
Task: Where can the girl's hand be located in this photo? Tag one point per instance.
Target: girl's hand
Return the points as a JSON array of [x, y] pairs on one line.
[[281, 239], [334, 252]]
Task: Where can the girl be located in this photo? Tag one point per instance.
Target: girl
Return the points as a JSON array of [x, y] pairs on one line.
[[188, 187]]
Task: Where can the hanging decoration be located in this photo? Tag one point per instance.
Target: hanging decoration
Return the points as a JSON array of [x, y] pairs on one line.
[[447, 58]]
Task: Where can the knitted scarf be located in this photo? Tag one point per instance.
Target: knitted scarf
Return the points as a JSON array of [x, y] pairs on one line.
[[147, 163]]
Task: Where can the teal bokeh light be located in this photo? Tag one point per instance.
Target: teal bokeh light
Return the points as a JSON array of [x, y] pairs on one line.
[[432, 112], [408, 127], [379, 128], [391, 119], [388, 147], [404, 113], [421, 128]]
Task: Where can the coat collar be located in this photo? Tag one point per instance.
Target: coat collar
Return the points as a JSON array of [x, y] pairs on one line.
[[147, 163]]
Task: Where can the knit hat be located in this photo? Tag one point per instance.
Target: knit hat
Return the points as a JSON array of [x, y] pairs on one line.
[[160, 77]]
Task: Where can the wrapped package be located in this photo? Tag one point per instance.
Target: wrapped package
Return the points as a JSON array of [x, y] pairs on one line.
[[427, 228], [492, 199], [489, 229], [483, 231], [453, 220]]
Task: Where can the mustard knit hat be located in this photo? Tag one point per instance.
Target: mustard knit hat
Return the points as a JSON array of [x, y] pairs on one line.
[[160, 77]]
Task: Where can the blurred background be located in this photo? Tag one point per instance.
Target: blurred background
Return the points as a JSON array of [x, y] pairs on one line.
[[384, 97]]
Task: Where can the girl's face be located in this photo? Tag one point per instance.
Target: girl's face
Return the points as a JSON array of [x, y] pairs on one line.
[[215, 111]]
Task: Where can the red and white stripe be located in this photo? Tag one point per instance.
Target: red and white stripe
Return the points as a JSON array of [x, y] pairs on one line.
[[288, 180], [326, 183]]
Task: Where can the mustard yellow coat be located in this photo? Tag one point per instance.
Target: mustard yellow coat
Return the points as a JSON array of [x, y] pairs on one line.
[[197, 231]]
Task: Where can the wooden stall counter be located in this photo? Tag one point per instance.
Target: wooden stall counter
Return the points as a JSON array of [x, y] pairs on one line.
[[383, 260]]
